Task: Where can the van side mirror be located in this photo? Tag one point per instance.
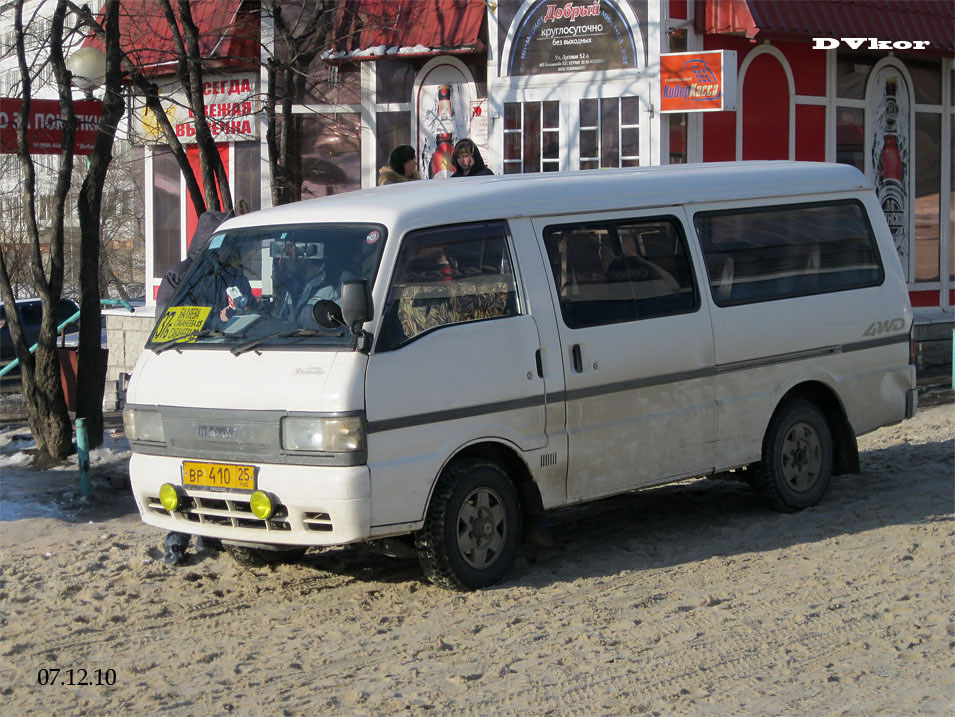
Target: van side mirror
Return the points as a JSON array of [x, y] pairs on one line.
[[357, 307]]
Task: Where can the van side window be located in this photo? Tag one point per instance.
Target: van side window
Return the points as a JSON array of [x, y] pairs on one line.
[[448, 275], [616, 271], [780, 252]]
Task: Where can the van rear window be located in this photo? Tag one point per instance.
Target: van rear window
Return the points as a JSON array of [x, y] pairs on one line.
[[779, 252]]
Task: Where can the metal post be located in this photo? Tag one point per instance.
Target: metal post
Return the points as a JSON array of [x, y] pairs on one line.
[[83, 456]]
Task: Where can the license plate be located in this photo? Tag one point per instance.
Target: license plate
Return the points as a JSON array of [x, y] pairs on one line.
[[219, 476]]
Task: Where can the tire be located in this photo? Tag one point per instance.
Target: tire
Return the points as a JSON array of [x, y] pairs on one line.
[[797, 458], [258, 557], [472, 529]]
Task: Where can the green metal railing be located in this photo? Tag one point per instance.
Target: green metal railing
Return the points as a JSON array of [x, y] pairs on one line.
[[106, 302]]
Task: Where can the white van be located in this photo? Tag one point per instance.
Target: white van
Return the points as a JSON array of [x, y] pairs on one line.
[[431, 366]]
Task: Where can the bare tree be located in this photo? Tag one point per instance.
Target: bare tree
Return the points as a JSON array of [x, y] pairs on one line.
[[149, 91], [301, 33], [91, 370], [189, 72], [40, 373]]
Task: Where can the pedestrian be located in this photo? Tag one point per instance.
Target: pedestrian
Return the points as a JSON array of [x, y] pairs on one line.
[[402, 166], [468, 161]]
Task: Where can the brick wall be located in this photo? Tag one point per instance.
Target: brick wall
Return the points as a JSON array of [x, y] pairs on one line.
[[126, 334]]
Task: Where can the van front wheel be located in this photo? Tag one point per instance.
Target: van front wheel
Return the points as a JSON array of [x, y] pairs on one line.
[[797, 458], [472, 529]]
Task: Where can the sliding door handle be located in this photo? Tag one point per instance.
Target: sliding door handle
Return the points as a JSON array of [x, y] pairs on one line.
[[578, 358], [540, 363]]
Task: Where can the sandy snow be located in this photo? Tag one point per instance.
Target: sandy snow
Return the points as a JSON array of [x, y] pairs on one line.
[[689, 599]]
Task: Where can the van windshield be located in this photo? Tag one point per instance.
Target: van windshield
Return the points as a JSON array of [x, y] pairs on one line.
[[258, 287]]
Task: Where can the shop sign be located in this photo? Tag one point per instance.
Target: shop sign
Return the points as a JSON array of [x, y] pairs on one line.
[[45, 126], [229, 103], [479, 129], [583, 36], [698, 81]]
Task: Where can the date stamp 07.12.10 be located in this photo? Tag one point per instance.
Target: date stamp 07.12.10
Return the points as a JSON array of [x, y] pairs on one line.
[[75, 677]]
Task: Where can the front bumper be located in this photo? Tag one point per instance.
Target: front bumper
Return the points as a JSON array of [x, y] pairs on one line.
[[317, 505]]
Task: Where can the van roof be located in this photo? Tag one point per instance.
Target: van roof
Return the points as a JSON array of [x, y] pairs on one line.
[[429, 202]]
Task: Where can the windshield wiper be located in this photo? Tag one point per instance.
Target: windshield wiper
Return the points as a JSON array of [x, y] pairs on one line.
[[198, 334], [297, 333]]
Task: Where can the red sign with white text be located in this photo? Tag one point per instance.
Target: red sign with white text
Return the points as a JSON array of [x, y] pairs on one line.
[[45, 128], [698, 81]]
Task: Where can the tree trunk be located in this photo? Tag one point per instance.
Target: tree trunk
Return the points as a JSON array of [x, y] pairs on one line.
[[91, 370], [40, 373]]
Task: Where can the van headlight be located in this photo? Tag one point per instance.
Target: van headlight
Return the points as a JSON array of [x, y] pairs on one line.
[[143, 425], [328, 434]]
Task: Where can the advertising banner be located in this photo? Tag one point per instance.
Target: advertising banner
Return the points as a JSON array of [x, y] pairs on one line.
[[587, 36], [229, 102], [447, 110], [698, 81], [45, 127]]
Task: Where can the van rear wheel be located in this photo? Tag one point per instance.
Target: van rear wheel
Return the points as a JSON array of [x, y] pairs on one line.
[[472, 529], [797, 458]]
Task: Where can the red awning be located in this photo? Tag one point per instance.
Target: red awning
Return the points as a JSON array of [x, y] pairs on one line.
[[228, 34], [892, 20], [379, 29]]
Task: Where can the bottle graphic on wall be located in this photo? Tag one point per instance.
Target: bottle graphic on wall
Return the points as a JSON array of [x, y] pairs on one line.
[[891, 189], [441, 161], [444, 102]]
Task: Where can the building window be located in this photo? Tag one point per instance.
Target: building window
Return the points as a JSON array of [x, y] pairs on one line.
[[331, 154], [678, 140], [394, 81], [928, 185], [166, 229], [850, 136], [248, 182], [531, 137], [610, 133], [392, 129]]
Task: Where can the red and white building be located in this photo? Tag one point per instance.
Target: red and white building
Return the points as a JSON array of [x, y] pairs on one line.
[[547, 85]]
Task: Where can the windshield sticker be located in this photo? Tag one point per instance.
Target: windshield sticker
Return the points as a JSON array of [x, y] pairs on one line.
[[216, 241], [373, 236], [181, 323]]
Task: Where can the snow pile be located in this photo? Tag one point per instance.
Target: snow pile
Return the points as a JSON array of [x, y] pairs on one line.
[[54, 492]]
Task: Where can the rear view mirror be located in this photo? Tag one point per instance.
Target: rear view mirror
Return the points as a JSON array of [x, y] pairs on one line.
[[356, 303]]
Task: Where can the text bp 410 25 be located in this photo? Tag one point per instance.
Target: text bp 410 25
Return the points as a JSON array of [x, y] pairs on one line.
[[219, 476]]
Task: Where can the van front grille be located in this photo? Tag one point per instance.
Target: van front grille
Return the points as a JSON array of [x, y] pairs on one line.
[[227, 512], [317, 521]]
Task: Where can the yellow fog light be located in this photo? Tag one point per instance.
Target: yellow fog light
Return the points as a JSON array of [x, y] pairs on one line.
[[261, 506], [169, 496]]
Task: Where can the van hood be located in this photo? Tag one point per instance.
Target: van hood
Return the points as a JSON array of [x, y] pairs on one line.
[[270, 380]]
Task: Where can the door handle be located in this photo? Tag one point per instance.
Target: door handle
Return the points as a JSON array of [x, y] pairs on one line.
[[578, 358], [540, 363]]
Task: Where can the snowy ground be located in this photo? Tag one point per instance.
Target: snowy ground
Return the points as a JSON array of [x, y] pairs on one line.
[[688, 599]]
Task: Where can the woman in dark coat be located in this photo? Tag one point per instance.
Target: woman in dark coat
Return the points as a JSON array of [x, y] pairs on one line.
[[468, 161]]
